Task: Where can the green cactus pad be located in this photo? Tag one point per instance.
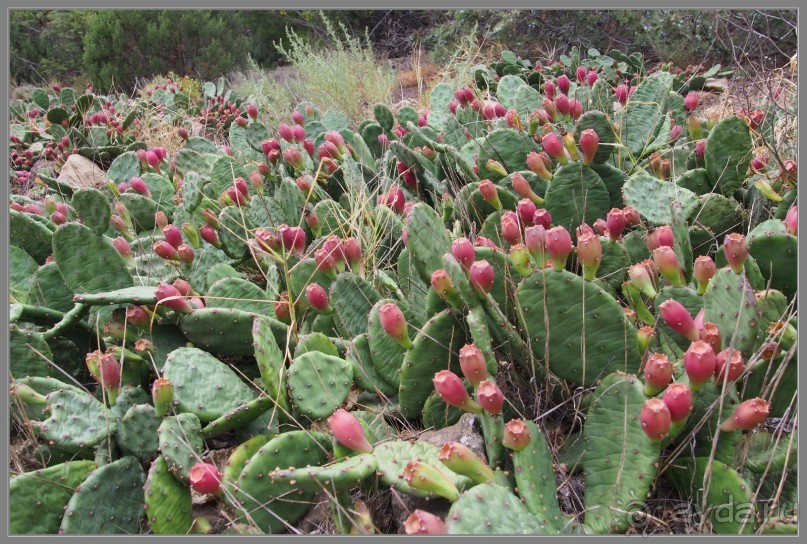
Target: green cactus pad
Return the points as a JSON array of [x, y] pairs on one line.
[[720, 214], [142, 210], [337, 476], [644, 112], [272, 505], [696, 180], [48, 288], [285, 206], [110, 501], [315, 341], [727, 492], [365, 373], [478, 329], [207, 257], [29, 354], [168, 504], [29, 234], [575, 196], [437, 414], [620, 459], [224, 171], [238, 459], [302, 274], [77, 421], [776, 255], [235, 231], [203, 385], [535, 478], [728, 154], [490, 509], [87, 262], [613, 178], [589, 334], [220, 271], [412, 286], [37, 499], [181, 444], [93, 208], [238, 417], [143, 295], [651, 197], [614, 264], [436, 348], [428, 240], [772, 452], [393, 456], [508, 147], [387, 353], [240, 295], [729, 303], [384, 117], [124, 168], [271, 362], [137, 432], [221, 330], [352, 299], [319, 383]]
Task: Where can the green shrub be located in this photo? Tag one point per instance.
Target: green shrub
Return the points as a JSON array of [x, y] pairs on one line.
[[346, 75]]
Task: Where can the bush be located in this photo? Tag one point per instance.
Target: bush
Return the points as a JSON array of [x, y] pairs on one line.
[[121, 47], [347, 76], [260, 87]]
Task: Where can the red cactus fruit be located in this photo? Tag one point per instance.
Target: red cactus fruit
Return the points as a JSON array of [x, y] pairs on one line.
[[205, 478], [699, 363], [516, 435], [347, 429], [481, 276], [729, 365], [747, 415], [170, 297], [473, 364], [318, 298], [421, 522], [394, 324], [735, 249], [559, 246], [656, 419], [678, 398], [451, 389], [658, 372], [678, 319], [490, 397]]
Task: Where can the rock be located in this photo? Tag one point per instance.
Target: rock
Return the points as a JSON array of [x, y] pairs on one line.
[[318, 520], [464, 431], [716, 85], [80, 172]]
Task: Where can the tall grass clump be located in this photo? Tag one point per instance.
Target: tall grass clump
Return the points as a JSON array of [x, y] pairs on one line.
[[346, 75], [263, 88]]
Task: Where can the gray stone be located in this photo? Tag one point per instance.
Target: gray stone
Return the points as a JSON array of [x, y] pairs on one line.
[[80, 172]]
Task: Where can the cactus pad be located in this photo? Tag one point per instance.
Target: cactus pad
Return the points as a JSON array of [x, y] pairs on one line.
[[203, 385], [37, 499], [110, 501], [319, 383], [272, 505], [490, 509], [168, 505], [589, 335]]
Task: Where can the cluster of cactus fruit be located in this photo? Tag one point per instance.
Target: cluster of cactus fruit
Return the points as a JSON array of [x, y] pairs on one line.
[[590, 238]]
